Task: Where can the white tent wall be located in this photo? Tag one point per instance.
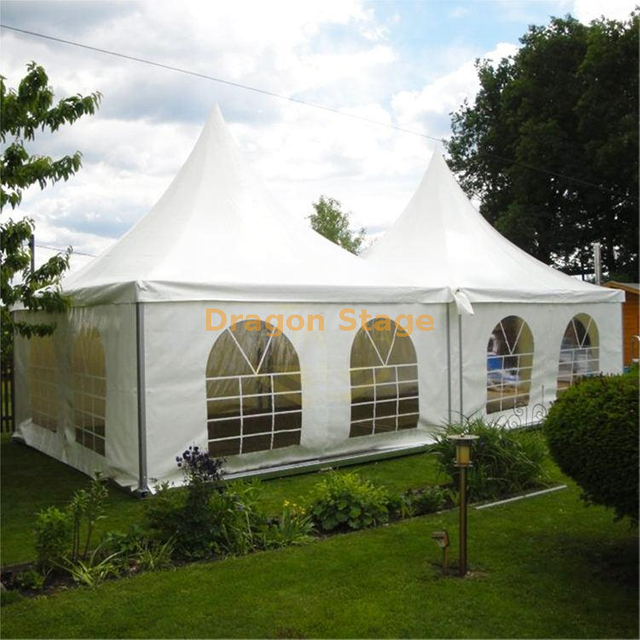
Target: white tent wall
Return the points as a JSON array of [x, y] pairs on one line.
[[547, 323], [115, 325], [177, 348], [176, 351]]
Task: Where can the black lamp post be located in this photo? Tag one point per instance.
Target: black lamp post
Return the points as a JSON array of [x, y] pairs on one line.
[[463, 462]]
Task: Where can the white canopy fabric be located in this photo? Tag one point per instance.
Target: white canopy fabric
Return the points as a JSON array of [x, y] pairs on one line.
[[218, 234], [441, 240], [123, 387]]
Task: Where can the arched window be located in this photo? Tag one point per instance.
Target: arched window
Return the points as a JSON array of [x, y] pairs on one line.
[[509, 364], [43, 382], [384, 379], [89, 390], [254, 391], [579, 351]]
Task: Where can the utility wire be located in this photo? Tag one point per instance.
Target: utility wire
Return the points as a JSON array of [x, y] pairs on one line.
[[62, 250], [305, 103], [230, 83]]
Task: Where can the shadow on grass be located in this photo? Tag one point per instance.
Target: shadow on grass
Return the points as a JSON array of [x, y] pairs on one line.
[[614, 560]]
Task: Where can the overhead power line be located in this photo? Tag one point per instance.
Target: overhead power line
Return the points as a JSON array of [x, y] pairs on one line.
[[63, 249], [237, 85], [305, 103]]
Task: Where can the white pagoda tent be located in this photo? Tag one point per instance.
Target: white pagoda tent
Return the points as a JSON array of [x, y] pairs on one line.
[[150, 358]]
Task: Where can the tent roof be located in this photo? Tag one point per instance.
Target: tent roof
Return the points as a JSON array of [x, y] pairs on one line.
[[442, 240], [218, 234]]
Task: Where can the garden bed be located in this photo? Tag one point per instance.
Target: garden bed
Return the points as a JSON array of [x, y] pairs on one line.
[[211, 519]]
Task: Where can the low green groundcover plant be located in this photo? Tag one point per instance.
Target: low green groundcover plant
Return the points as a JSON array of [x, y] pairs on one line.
[[592, 431], [505, 462], [345, 501], [418, 502]]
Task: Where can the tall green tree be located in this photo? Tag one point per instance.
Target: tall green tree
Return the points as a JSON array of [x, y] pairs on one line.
[[565, 105], [331, 222], [25, 112]]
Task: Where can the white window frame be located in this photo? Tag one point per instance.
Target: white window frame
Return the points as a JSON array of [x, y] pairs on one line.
[[573, 356], [376, 402], [256, 373], [506, 374], [81, 381]]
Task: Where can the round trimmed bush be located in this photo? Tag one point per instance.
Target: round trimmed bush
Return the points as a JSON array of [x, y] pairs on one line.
[[592, 431]]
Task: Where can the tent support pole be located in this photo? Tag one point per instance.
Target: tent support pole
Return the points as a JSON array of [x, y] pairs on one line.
[[460, 367], [448, 365], [143, 488]]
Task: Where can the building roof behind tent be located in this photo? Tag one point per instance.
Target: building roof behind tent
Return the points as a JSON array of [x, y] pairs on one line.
[[218, 234], [629, 287], [441, 238]]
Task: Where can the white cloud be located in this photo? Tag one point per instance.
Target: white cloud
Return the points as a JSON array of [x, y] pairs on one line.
[[339, 53], [428, 109], [458, 12], [587, 10], [150, 117]]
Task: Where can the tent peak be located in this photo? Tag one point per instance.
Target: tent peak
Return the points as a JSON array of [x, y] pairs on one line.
[[215, 119]]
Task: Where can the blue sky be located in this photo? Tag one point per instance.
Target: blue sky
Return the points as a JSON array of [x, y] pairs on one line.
[[403, 63]]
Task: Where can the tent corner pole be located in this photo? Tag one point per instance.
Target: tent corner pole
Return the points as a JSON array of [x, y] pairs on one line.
[[460, 368], [143, 488], [449, 408]]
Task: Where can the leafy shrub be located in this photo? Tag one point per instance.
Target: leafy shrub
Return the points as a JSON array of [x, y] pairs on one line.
[[64, 536], [239, 521], [294, 526], [93, 569], [86, 508], [125, 544], [168, 517], [186, 517], [592, 431], [30, 579], [209, 517], [504, 461], [53, 537], [135, 552], [344, 501], [153, 556], [417, 502]]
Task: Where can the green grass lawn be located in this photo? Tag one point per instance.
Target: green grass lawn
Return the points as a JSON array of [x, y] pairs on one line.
[[32, 481], [543, 567], [549, 567]]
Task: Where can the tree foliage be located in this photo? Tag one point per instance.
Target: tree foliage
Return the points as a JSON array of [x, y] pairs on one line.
[[566, 103], [331, 222], [25, 112]]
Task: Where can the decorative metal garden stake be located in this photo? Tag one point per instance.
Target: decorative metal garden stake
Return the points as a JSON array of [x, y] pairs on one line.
[[463, 462]]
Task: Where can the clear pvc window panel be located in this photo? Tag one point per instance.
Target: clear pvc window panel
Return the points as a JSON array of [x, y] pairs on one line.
[[509, 364], [579, 352], [89, 390], [43, 382], [254, 391], [384, 380]]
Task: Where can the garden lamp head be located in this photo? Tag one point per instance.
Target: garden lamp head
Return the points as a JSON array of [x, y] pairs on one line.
[[463, 449], [441, 538]]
